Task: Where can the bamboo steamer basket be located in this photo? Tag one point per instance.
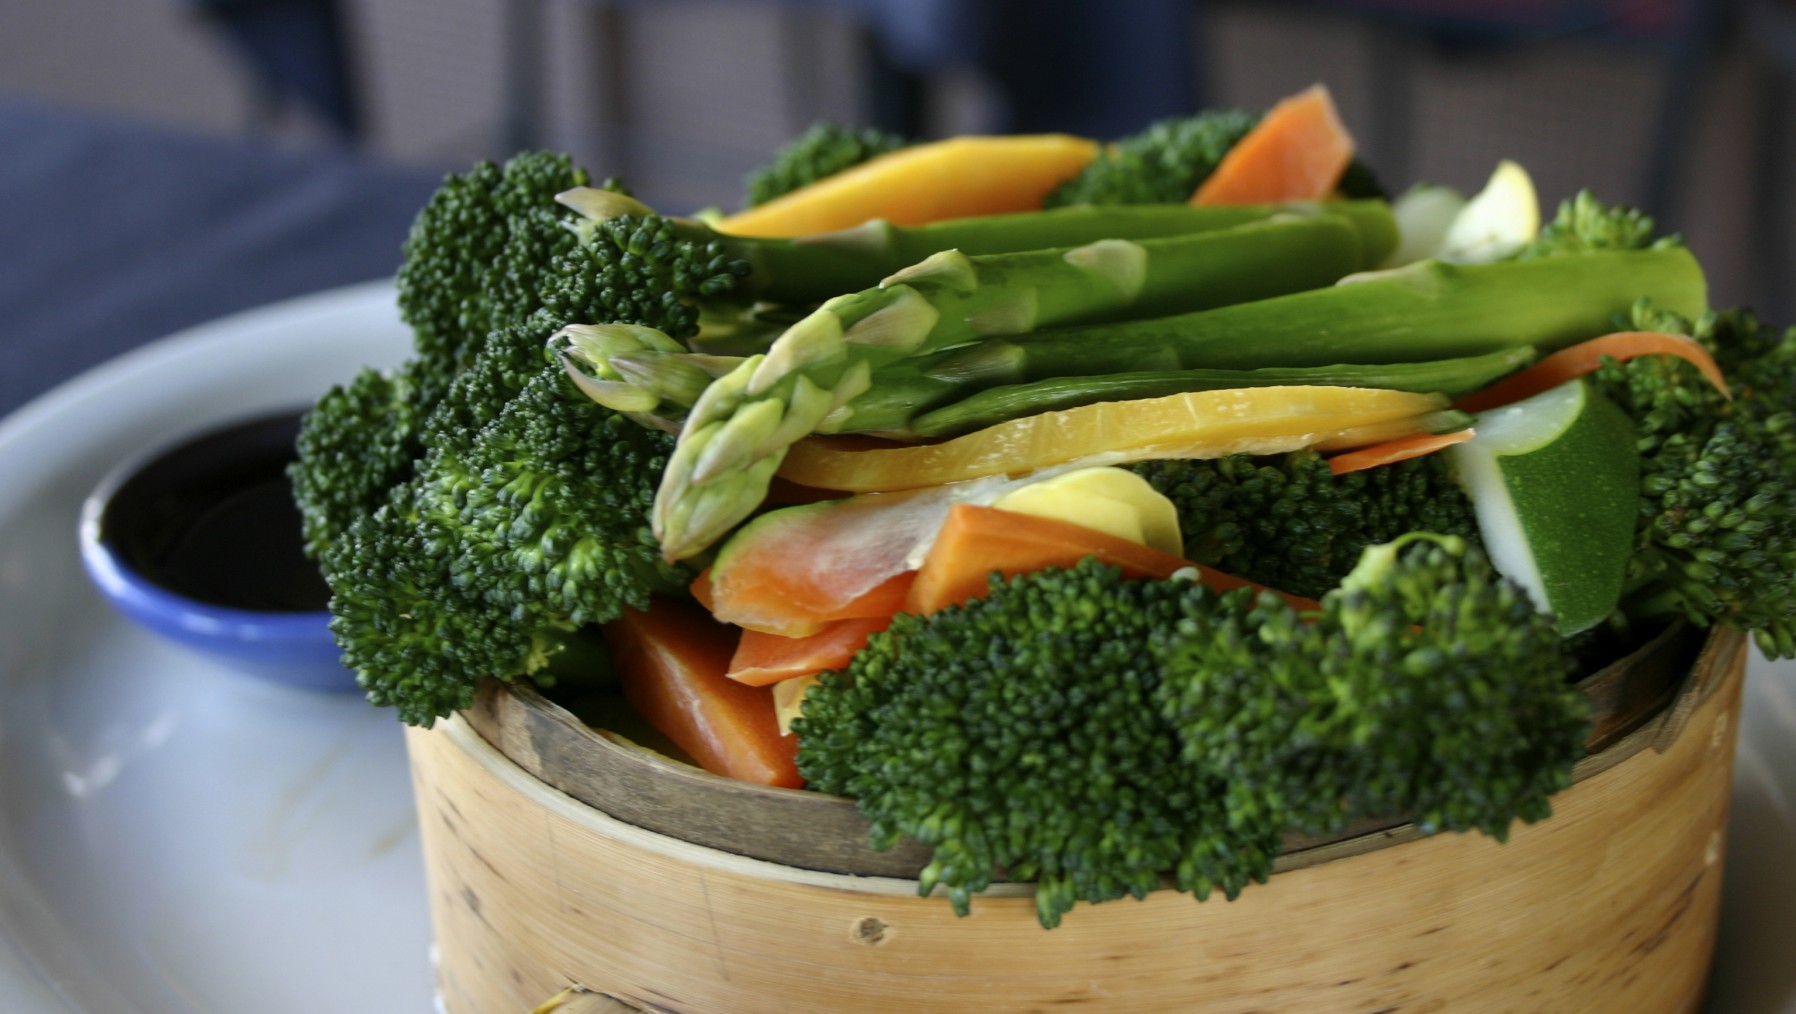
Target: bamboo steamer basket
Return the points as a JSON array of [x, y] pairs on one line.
[[569, 868]]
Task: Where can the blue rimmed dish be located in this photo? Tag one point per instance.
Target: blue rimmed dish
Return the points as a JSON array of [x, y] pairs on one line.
[[200, 543]]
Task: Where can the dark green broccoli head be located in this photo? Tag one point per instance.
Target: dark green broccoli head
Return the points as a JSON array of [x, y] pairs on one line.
[[1287, 522], [1584, 224], [1161, 165], [1428, 686], [1717, 535], [355, 443], [477, 254], [554, 497], [503, 543], [1018, 732], [1096, 734], [1165, 163], [417, 639], [821, 151], [643, 269]]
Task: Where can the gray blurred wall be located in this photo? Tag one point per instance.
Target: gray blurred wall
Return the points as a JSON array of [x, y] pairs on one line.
[[683, 97]]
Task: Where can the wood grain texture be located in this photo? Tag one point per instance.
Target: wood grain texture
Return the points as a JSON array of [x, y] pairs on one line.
[[1609, 905]]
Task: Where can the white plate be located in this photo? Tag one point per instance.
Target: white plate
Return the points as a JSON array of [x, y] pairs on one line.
[[175, 838]]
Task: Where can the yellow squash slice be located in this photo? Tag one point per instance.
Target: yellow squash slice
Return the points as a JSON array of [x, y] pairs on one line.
[[1201, 424], [956, 178]]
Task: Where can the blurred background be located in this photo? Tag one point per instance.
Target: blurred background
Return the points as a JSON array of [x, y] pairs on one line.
[[1680, 106]]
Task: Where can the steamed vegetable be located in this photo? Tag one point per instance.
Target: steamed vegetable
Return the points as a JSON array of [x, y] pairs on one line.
[[762, 658], [1392, 451], [1584, 358], [956, 178], [1554, 480], [1068, 679], [672, 660], [977, 543], [1716, 534], [1092, 733], [1289, 522], [949, 299], [506, 543], [1205, 424], [1167, 162], [738, 435], [1298, 151], [823, 150]]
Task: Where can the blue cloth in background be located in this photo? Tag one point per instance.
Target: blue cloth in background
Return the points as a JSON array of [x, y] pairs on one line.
[[115, 233], [1097, 69], [295, 50]]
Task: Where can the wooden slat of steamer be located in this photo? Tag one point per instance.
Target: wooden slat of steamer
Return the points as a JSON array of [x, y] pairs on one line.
[[1610, 904]]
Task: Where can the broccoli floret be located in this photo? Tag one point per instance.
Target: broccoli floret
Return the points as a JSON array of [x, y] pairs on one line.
[[506, 542], [1161, 165], [475, 260], [359, 440], [1584, 224], [1165, 163], [823, 150], [476, 255], [1018, 732], [472, 511], [1717, 535], [1287, 522], [1095, 734], [1427, 686]]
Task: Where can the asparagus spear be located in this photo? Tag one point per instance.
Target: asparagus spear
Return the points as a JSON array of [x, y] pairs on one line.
[[950, 298], [733, 271], [1451, 377], [739, 430], [1424, 311]]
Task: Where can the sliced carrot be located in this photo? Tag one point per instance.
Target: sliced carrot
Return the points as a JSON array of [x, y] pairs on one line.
[[954, 178], [1586, 357], [701, 590], [761, 659], [791, 570], [978, 541], [1296, 152], [883, 599], [1392, 451], [671, 662]]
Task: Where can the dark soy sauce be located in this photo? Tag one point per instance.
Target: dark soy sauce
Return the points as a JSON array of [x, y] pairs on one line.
[[214, 520]]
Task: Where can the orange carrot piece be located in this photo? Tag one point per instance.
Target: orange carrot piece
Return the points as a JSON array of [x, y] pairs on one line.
[[702, 591], [762, 659], [1296, 152], [882, 599], [1392, 451], [1585, 357], [976, 541], [671, 662]]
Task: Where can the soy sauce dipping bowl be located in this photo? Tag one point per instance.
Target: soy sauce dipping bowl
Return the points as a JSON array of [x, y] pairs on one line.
[[201, 543]]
